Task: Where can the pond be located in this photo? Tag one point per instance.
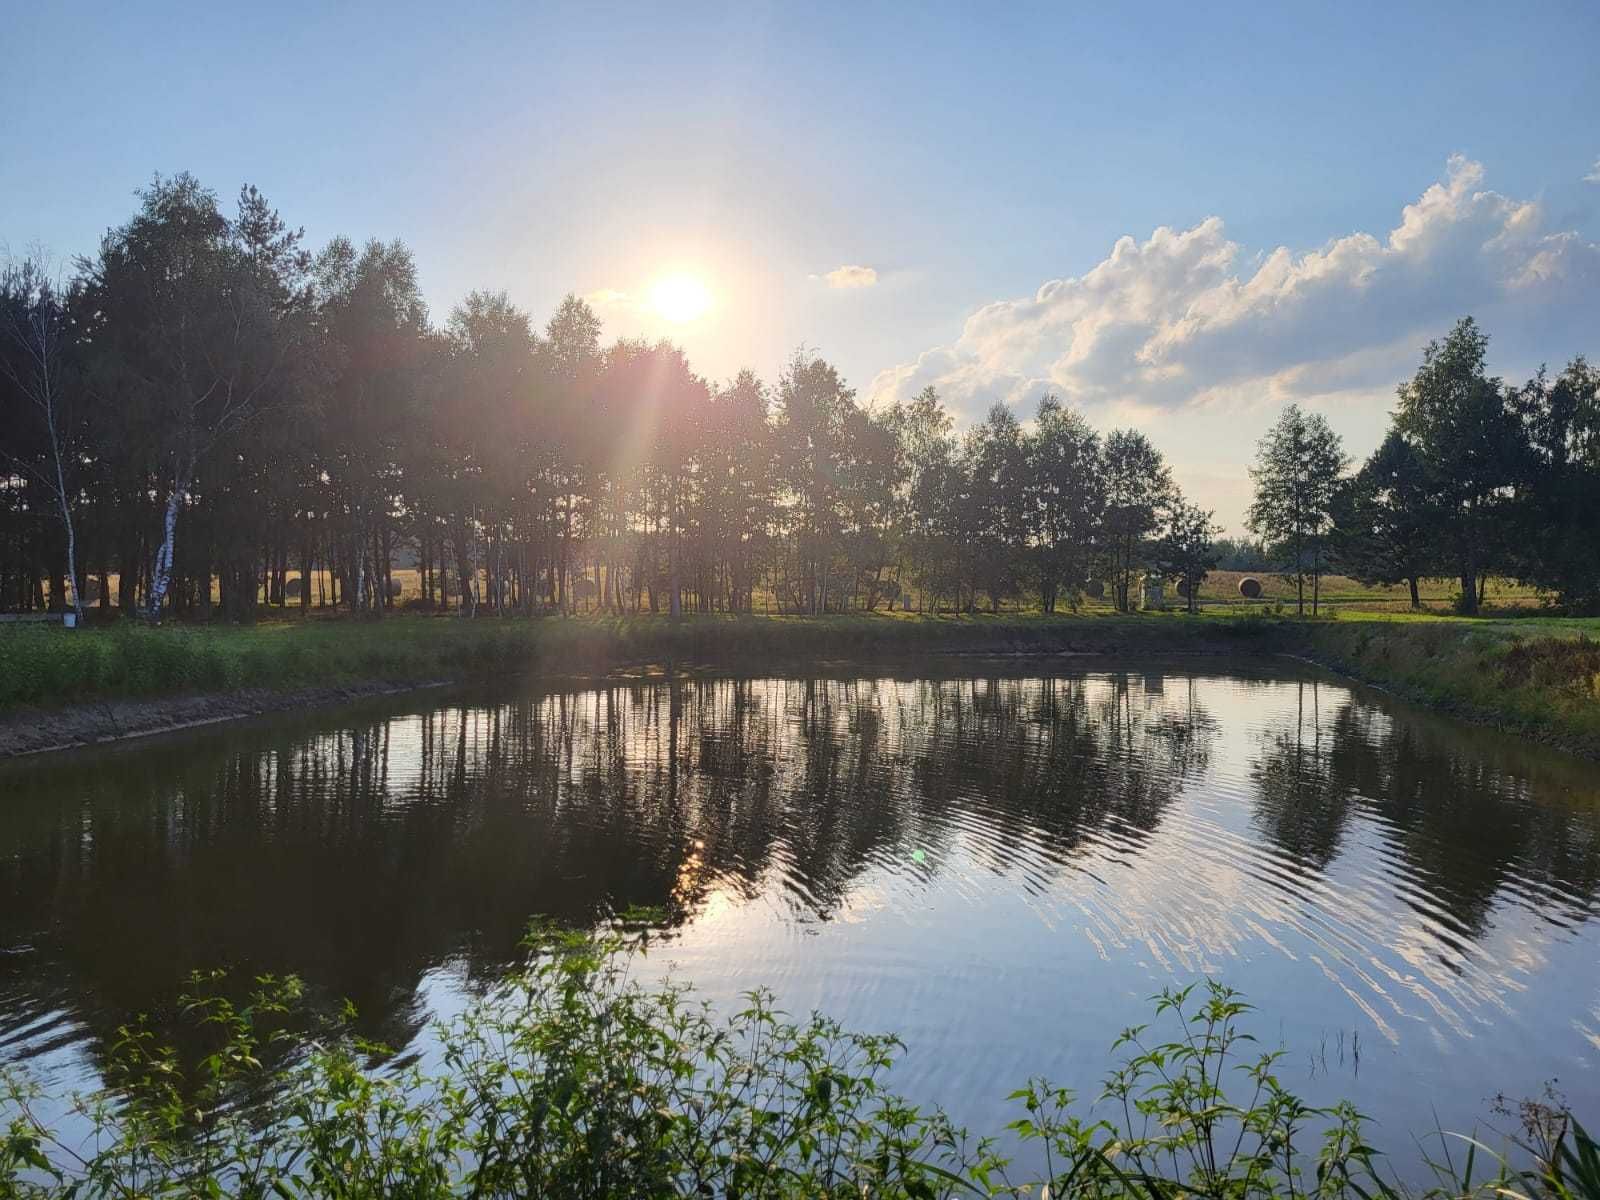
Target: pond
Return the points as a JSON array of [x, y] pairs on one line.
[[1001, 862]]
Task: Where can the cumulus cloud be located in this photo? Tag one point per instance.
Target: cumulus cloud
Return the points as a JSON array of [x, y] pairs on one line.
[[1594, 173], [851, 276], [1183, 317]]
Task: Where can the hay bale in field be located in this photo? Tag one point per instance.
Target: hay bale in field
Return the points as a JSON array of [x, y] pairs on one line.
[[1095, 590], [291, 588], [394, 589], [1250, 588], [1183, 588]]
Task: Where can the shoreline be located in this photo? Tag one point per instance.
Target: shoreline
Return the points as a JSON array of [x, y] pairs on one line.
[[34, 732], [1474, 672]]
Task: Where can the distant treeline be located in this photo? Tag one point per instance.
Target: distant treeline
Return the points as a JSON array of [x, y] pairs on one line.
[[1475, 478], [207, 406]]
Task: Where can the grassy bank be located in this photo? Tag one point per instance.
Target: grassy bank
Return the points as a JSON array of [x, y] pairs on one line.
[[1534, 676], [572, 1081], [48, 666]]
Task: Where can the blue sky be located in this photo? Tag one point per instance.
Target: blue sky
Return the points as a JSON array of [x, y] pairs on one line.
[[968, 155]]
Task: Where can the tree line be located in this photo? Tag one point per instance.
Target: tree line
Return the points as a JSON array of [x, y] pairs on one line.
[[1475, 478], [216, 417]]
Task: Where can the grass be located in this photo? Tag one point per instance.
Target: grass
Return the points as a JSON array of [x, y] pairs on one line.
[[572, 1081], [1537, 678], [1536, 675], [42, 665]]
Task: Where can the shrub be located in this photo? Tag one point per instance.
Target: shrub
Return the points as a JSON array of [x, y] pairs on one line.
[[572, 1081]]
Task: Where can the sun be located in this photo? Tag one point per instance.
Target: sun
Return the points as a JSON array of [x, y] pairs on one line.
[[680, 298]]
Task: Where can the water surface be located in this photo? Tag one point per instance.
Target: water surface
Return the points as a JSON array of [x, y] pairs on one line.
[[1000, 862]]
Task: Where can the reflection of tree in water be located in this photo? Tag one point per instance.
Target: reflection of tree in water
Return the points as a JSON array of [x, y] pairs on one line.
[[1478, 821], [1303, 803], [1049, 762], [364, 858]]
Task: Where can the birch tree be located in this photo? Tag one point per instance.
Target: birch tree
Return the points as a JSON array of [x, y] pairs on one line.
[[189, 339], [35, 340], [1298, 464], [1138, 486], [1067, 499]]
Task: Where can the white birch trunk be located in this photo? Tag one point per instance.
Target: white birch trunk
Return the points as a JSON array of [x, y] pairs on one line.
[[66, 521], [360, 598], [161, 577]]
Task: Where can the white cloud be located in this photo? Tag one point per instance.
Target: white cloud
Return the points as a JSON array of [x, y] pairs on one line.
[[1594, 173], [851, 276], [606, 298], [1179, 319]]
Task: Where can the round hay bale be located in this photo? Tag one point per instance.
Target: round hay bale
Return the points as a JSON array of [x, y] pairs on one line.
[[1250, 588], [291, 588], [394, 589], [1183, 588], [1095, 590]]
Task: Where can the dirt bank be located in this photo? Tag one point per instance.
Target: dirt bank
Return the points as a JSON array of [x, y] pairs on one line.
[[40, 730]]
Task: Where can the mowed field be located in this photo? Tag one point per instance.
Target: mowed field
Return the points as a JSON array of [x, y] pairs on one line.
[[1219, 591], [1340, 591]]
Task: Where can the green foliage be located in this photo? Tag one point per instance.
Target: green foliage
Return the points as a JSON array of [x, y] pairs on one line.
[[1384, 525], [572, 1081], [1296, 476]]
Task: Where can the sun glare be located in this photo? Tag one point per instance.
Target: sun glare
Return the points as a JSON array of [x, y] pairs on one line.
[[680, 298]]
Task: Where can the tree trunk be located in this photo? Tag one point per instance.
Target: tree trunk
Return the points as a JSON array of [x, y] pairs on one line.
[[72, 536], [1416, 599], [161, 575], [468, 603]]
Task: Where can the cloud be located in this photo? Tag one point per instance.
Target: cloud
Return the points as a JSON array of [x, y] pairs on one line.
[[851, 277], [1184, 318], [605, 298], [1594, 173]]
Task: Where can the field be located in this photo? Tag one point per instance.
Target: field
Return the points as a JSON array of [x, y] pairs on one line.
[[1220, 590]]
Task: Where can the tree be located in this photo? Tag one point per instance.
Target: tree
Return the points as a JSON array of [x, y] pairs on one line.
[[1138, 486], [998, 501], [927, 448], [811, 430], [1558, 493], [1383, 526], [38, 361], [1297, 470], [1472, 446], [1187, 550], [191, 338], [736, 485], [1066, 499], [374, 323]]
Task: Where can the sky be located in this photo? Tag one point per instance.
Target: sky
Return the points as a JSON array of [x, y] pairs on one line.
[[1175, 216]]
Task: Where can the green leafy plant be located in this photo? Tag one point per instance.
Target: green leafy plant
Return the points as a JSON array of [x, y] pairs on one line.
[[571, 1080]]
